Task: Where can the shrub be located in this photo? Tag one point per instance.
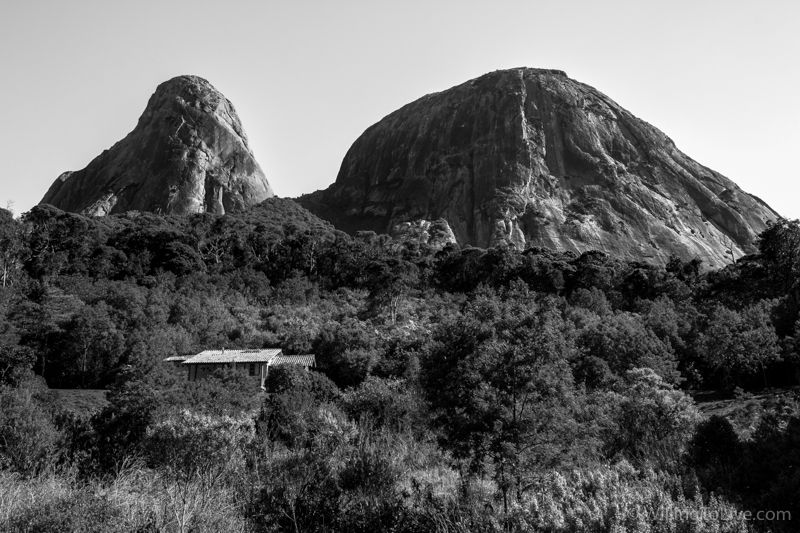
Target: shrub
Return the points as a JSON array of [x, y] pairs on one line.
[[652, 422], [716, 450], [384, 402], [188, 445], [353, 479], [292, 378], [120, 428], [28, 438], [79, 510], [225, 392], [620, 498]]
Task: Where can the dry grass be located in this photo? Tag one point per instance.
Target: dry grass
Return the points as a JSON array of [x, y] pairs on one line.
[[137, 499], [17, 494], [80, 401]]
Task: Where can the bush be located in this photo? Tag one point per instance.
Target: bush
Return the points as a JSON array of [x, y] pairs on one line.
[[292, 407], [292, 378], [358, 480], [652, 422], [348, 352], [715, 452], [225, 392], [78, 510], [187, 445], [28, 438], [296, 419], [383, 402], [620, 498], [120, 428]]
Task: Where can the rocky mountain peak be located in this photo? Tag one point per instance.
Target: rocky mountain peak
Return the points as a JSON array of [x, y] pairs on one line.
[[531, 157], [187, 154]]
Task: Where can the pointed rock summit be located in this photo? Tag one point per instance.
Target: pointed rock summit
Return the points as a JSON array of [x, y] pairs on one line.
[[531, 157], [187, 154]]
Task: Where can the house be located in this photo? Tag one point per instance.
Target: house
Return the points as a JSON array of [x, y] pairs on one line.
[[255, 362]]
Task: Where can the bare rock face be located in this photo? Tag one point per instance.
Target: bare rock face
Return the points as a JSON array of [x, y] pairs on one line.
[[187, 154], [530, 157], [436, 234]]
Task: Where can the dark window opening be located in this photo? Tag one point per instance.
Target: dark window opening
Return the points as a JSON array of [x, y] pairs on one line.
[[252, 369]]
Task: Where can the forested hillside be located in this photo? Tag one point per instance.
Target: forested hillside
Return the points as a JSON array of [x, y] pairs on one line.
[[458, 389]]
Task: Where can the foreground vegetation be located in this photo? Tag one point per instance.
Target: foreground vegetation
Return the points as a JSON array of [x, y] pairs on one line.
[[459, 390]]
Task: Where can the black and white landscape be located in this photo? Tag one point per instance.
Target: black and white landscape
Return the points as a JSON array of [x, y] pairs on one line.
[[516, 307]]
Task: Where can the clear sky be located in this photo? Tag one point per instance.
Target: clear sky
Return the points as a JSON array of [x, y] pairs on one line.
[[307, 78]]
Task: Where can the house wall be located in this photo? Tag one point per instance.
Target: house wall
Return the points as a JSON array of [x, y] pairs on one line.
[[203, 371]]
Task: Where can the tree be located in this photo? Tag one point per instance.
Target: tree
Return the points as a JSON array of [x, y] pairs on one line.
[[383, 402], [12, 248], [652, 422], [624, 342], [779, 246], [16, 362], [120, 428], [95, 345], [594, 269], [292, 409], [60, 243], [39, 320], [716, 452], [502, 391], [347, 351], [287, 378], [738, 345], [390, 281]]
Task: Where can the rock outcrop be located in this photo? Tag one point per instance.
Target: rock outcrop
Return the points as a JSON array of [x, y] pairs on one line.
[[187, 154], [435, 234], [531, 157]]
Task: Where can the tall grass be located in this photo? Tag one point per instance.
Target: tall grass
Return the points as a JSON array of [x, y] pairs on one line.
[[136, 499], [214, 474]]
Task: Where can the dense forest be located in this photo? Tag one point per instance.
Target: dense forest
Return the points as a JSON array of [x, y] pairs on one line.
[[458, 389]]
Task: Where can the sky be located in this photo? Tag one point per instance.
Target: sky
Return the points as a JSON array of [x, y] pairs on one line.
[[307, 78]]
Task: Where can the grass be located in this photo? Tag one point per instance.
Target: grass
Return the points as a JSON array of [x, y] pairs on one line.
[[81, 401]]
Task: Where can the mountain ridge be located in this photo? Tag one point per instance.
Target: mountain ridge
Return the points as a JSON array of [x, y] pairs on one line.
[[522, 157]]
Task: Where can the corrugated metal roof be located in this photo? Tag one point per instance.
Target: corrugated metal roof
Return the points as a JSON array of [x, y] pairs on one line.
[[178, 358], [233, 356], [305, 360]]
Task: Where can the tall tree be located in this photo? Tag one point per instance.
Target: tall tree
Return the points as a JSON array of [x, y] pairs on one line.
[[501, 389], [12, 248], [737, 345]]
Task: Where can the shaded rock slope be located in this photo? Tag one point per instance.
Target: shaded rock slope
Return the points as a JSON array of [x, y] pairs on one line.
[[187, 154], [531, 157]]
